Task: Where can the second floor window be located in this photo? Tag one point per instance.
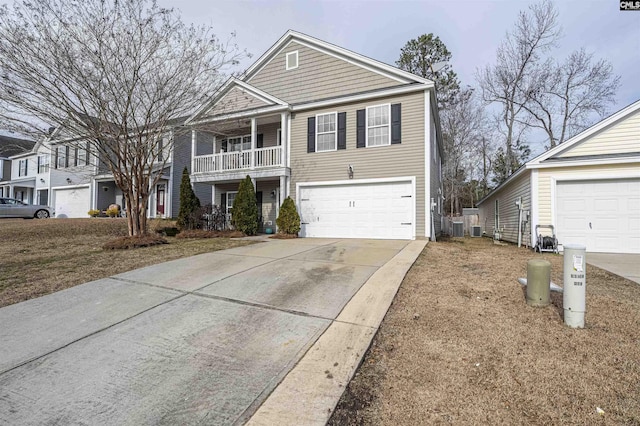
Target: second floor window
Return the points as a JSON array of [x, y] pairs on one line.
[[61, 154], [326, 132], [378, 123], [43, 163], [22, 168], [240, 143], [81, 157]]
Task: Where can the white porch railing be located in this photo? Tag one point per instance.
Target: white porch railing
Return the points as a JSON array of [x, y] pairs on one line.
[[231, 161]]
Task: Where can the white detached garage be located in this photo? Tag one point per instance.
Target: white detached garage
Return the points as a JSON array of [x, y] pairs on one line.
[[588, 188], [374, 208]]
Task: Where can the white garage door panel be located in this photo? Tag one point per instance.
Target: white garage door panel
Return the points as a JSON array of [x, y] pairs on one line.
[[366, 210], [72, 202], [602, 215]]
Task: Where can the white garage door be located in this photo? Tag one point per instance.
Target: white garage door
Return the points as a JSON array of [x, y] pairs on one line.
[[367, 210], [72, 202], [602, 215]]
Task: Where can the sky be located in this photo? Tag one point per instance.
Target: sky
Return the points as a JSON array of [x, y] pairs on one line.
[[471, 30]]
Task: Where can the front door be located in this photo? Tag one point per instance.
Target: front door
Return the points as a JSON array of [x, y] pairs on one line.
[[160, 191]]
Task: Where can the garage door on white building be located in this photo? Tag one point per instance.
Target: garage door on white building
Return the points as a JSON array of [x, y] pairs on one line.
[[72, 202], [373, 209], [603, 215]]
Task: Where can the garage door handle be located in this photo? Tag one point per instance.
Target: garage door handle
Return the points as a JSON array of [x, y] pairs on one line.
[[590, 225], [405, 223]]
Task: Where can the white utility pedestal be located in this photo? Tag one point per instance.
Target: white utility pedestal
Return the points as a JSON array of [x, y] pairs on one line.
[[575, 285]]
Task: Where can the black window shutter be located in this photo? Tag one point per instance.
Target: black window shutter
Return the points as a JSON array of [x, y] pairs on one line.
[[66, 156], [224, 145], [260, 141], [55, 159], [86, 157], [75, 157], [311, 134], [361, 128], [395, 124], [342, 130], [223, 203]]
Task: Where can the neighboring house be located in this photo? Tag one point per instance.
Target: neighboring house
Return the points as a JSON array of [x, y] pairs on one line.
[[21, 188], [356, 143], [588, 188], [63, 174]]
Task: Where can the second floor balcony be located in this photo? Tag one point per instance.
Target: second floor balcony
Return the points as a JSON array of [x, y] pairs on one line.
[[225, 162]]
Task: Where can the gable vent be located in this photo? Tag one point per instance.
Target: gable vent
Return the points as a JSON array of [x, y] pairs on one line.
[[292, 60]]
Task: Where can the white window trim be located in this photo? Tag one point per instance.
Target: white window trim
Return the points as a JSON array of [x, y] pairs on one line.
[[335, 132], [294, 53], [227, 200], [241, 137], [366, 125], [43, 163]]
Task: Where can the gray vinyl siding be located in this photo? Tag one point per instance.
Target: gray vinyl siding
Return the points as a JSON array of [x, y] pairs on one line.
[[181, 159], [6, 170], [236, 100], [507, 210], [269, 206], [405, 159], [318, 76], [436, 182], [204, 143]]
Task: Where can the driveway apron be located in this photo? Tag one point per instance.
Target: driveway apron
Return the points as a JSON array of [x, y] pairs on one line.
[[197, 340]]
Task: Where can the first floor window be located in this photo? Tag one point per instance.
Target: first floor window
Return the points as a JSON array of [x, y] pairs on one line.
[[231, 196], [326, 132], [378, 125]]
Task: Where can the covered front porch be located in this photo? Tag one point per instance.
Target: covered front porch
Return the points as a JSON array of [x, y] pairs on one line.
[[230, 148], [23, 190], [107, 193], [269, 197]]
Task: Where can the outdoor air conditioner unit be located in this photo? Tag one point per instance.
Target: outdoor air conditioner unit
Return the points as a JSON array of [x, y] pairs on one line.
[[476, 231], [458, 229]]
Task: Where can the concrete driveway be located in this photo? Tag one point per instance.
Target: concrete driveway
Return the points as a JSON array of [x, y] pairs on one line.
[[624, 265], [198, 340]]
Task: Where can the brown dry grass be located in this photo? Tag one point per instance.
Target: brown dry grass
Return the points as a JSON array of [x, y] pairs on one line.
[[39, 257], [460, 346]]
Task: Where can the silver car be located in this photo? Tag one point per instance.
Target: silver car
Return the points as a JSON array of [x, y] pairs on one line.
[[10, 207]]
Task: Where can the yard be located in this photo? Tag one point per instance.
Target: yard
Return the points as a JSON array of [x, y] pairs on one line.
[[39, 257], [459, 345]]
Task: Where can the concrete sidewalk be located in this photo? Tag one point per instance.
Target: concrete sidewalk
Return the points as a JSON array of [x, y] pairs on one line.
[[203, 339]]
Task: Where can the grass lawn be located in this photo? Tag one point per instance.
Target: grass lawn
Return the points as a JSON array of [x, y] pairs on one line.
[[459, 345], [39, 257]]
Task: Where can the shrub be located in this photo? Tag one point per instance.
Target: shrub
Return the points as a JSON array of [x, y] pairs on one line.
[[212, 217], [93, 213], [124, 243], [288, 220], [244, 216], [189, 203], [113, 211]]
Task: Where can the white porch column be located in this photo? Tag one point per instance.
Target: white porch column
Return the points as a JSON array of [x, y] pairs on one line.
[[194, 140], [283, 189], [283, 137], [254, 135], [214, 144], [10, 191]]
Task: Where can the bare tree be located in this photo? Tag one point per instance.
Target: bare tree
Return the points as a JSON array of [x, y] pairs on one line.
[[512, 80], [462, 127], [568, 94], [117, 75]]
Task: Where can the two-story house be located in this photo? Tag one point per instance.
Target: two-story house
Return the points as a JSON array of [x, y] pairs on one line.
[[356, 143], [22, 188]]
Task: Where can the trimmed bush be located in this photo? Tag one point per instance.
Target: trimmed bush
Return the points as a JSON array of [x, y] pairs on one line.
[[113, 212], [244, 216], [288, 220], [93, 213], [189, 203]]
